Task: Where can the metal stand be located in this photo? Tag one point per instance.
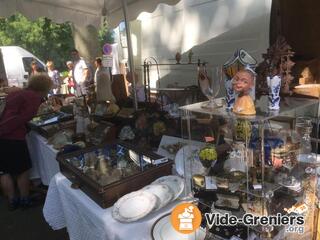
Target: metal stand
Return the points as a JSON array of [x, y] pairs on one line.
[[147, 64]]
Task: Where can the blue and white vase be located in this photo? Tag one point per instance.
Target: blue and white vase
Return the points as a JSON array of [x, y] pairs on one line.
[[274, 84], [230, 94]]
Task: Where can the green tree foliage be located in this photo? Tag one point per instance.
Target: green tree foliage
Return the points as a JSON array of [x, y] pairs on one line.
[[105, 35], [42, 37]]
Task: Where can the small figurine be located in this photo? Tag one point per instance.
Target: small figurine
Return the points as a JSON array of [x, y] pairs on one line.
[[242, 83], [178, 57], [190, 54], [102, 165]]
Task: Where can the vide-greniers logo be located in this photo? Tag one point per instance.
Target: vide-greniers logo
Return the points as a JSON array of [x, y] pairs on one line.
[[186, 218]]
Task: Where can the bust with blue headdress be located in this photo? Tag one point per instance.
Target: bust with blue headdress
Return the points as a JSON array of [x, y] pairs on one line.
[[240, 83]]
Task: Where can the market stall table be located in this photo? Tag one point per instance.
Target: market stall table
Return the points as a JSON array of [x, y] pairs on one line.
[[84, 219], [43, 157]]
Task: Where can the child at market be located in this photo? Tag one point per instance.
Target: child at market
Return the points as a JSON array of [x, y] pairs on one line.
[[55, 77], [70, 83]]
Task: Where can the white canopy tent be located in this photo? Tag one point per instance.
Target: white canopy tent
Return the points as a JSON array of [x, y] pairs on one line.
[[80, 12], [84, 13]]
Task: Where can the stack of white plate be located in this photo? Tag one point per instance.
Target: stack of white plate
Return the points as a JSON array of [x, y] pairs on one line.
[[136, 205]]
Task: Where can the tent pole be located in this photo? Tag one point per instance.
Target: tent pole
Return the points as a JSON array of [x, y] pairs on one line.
[[130, 52]]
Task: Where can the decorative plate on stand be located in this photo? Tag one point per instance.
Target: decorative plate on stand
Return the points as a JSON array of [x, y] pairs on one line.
[[193, 163], [134, 206]]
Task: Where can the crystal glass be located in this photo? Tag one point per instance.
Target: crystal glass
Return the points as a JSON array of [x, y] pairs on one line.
[[210, 86], [304, 128]]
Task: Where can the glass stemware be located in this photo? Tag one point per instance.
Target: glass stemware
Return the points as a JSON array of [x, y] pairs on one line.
[[304, 129], [210, 86]]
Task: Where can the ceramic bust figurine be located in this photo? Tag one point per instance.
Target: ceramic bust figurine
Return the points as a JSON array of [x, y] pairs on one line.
[[242, 83]]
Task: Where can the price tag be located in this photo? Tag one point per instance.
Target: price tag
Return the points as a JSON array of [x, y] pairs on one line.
[[209, 139], [160, 160], [257, 186]]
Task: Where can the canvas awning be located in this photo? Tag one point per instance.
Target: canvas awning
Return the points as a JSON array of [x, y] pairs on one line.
[[84, 13], [80, 12]]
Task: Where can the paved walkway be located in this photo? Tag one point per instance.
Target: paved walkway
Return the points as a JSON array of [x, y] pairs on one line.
[[26, 224]]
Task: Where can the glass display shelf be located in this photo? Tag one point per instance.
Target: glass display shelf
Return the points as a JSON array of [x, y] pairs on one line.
[[262, 164], [288, 107]]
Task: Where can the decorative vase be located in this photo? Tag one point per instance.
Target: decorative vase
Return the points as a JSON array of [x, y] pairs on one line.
[[208, 156], [230, 94], [274, 85]]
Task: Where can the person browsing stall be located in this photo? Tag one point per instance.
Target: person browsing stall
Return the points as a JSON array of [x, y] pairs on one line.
[[140, 93], [21, 106], [70, 82], [102, 82], [35, 68], [80, 73]]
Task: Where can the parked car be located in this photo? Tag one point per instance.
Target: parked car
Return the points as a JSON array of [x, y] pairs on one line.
[[15, 65]]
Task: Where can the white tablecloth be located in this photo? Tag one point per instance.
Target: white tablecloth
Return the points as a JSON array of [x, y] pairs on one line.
[[85, 220], [43, 157]]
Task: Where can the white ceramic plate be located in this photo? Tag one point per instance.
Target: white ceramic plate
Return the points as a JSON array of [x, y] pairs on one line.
[[163, 230], [175, 183], [188, 155], [162, 192], [134, 206]]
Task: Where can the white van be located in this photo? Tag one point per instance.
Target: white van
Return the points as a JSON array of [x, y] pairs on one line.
[[17, 63]]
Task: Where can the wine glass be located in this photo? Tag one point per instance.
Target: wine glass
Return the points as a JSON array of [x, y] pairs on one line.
[[210, 86]]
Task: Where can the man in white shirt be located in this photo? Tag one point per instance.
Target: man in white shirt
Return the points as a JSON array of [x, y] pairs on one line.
[[80, 73]]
